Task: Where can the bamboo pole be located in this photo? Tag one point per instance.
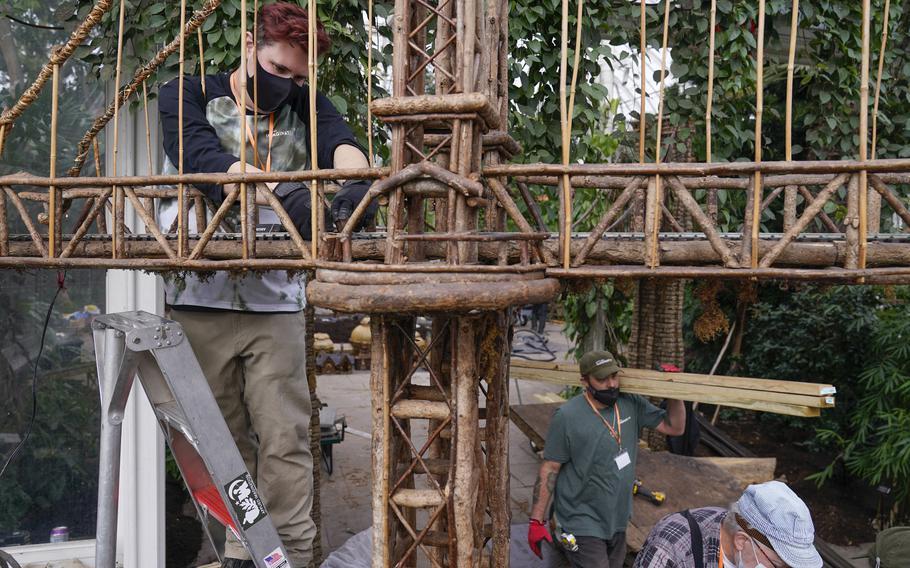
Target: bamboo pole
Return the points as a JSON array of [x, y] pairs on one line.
[[369, 82], [759, 103], [875, 202], [201, 60], [4, 226], [710, 103], [791, 58], [643, 48], [878, 80], [575, 62], [182, 229], [314, 155], [863, 136], [55, 203], [565, 190], [790, 192], [656, 210], [566, 112], [255, 140], [245, 193], [149, 202], [118, 219]]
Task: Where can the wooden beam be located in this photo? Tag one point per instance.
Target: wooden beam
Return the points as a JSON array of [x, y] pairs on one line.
[[775, 399], [747, 383]]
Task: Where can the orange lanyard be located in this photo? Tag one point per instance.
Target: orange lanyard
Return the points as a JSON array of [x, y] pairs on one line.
[[249, 134], [720, 559], [615, 432]]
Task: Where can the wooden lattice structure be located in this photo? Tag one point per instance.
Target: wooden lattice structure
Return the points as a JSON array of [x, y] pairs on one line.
[[445, 498]]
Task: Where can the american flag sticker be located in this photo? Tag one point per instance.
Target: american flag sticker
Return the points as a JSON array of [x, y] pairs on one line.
[[275, 559]]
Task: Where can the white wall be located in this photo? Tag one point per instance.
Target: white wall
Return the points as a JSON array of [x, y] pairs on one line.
[[140, 530]]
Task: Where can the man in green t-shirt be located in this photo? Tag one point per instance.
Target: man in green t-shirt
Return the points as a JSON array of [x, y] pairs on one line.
[[589, 466]]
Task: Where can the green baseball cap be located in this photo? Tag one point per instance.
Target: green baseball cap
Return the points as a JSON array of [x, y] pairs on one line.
[[598, 364]]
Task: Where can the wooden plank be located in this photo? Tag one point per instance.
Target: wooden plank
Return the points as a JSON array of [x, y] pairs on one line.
[[792, 387], [534, 420], [647, 382], [746, 470], [765, 401]]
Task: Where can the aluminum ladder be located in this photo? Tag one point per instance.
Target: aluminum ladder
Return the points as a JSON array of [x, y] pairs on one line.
[[155, 349]]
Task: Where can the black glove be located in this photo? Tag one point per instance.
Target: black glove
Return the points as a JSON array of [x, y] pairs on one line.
[[286, 188], [295, 198], [346, 200]]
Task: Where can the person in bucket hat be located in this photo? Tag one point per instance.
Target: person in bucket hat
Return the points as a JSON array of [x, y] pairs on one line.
[[768, 527]]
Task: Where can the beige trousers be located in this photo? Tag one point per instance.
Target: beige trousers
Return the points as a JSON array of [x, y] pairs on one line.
[[255, 366]]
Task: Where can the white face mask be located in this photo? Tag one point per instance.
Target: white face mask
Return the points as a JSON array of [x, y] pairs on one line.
[[739, 557]]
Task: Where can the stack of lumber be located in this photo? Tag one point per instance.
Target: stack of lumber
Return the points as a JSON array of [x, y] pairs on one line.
[[767, 395]]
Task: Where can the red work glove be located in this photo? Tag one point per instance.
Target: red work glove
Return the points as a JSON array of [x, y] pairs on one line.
[[537, 531]]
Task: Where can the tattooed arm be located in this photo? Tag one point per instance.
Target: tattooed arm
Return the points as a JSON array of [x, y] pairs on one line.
[[543, 489]]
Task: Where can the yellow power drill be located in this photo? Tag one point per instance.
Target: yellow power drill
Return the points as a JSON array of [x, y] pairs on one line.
[[656, 497]]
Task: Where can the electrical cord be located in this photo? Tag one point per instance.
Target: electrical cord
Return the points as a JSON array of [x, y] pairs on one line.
[[61, 285], [31, 25], [533, 346]]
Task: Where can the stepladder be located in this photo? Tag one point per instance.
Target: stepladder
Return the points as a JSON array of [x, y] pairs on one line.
[[132, 346]]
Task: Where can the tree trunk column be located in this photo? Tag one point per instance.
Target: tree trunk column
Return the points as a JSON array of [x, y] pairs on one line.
[[657, 324], [440, 460]]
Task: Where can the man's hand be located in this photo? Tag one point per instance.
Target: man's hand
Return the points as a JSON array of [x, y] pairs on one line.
[[345, 201], [537, 531]]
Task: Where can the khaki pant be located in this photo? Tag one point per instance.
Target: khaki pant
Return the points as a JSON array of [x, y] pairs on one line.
[[255, 366]]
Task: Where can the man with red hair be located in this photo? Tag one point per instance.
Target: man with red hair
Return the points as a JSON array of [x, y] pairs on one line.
[[248, 331]]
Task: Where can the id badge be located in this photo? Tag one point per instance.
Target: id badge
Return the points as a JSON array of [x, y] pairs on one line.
[[622, 460]]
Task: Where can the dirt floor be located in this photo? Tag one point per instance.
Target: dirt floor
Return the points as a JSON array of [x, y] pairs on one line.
[[843, 511]]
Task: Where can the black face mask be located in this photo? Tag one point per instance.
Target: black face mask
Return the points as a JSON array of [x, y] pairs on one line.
[[274, 91], [605, 396]]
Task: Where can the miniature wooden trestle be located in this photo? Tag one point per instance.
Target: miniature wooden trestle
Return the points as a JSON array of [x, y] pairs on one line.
[[446, 498]]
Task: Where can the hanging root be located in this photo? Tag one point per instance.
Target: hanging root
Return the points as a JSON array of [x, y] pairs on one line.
[[713, 321]]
